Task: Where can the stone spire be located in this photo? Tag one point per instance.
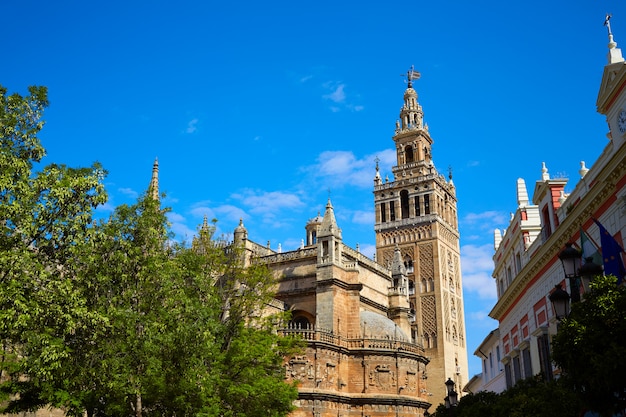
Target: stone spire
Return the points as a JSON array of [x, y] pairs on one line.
[[377, 179], [397, 265], [329, 224], [153, 189], [615, 53], [545, 176]]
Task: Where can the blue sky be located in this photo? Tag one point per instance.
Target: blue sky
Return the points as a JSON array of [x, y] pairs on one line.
[[256, 110]]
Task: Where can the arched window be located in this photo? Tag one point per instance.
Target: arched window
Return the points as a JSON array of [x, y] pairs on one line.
[[404, 203], [408, 152], [431, 285], [427, 341], [408, 264], [423, 287], [300, 323]]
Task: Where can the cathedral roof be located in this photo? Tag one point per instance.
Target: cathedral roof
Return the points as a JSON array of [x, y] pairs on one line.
[[377, 326]]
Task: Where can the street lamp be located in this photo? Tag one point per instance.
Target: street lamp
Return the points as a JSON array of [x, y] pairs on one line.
[[560, 302], [451, 399], [570, 258], [588, 271]]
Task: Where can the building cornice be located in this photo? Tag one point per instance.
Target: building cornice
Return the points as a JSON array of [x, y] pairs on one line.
[[577, 216]]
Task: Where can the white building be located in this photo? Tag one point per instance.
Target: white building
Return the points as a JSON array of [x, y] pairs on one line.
[[526, 262]]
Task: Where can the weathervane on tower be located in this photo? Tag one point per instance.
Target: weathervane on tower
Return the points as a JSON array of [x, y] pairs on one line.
[[411, 75], [607, 23]]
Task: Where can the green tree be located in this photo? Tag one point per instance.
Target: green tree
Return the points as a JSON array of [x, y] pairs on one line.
[[113, 318], [45, 216], [590, 347], [187, 334], [532, 397]]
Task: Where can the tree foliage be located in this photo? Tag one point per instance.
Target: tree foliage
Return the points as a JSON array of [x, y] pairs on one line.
[[112, 318], [532, 397], [43, 217], [590, 347]]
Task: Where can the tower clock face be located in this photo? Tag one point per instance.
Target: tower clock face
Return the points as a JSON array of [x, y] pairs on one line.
[[621, 121]]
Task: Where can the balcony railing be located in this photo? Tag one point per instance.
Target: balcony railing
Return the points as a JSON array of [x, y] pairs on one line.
[[313, 335]]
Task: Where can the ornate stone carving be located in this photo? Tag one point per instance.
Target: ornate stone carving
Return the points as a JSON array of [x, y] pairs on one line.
[[383, 377], [300, 368]]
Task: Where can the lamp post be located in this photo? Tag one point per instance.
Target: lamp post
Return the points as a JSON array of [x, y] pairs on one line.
[[570, 258], [588, 271], [560, 302], [451, 399]]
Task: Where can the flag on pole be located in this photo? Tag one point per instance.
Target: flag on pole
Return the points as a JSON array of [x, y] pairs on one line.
[[611, 254], [589, 248]]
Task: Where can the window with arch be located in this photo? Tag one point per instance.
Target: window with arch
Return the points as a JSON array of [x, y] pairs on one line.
[[408, 152], [424, 287], [408, 264], [431, 284], [300, 322], [404, 203]]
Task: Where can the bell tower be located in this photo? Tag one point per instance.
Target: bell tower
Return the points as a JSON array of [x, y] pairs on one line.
[[416, 212]]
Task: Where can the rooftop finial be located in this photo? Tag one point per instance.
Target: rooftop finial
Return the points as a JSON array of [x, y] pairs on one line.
[[607, 23], [615, 53], [411, 75]]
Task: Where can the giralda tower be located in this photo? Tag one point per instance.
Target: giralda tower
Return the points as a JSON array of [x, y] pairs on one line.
[[416, 211]]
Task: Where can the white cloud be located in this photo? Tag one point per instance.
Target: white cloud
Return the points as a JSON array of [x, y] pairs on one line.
[[262, 202], [179, 227], [487, 220], [305, 78], [129, 192], [368, 250], [477, 265], [200, 210], [337, 95], [105, 208], [192, 126], [363, 217], [343, 168], [230, 213]]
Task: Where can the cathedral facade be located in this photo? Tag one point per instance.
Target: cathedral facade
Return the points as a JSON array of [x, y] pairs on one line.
[[382, 336]]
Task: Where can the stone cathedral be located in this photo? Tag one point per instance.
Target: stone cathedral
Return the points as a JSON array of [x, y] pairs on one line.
[[382, 336]]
